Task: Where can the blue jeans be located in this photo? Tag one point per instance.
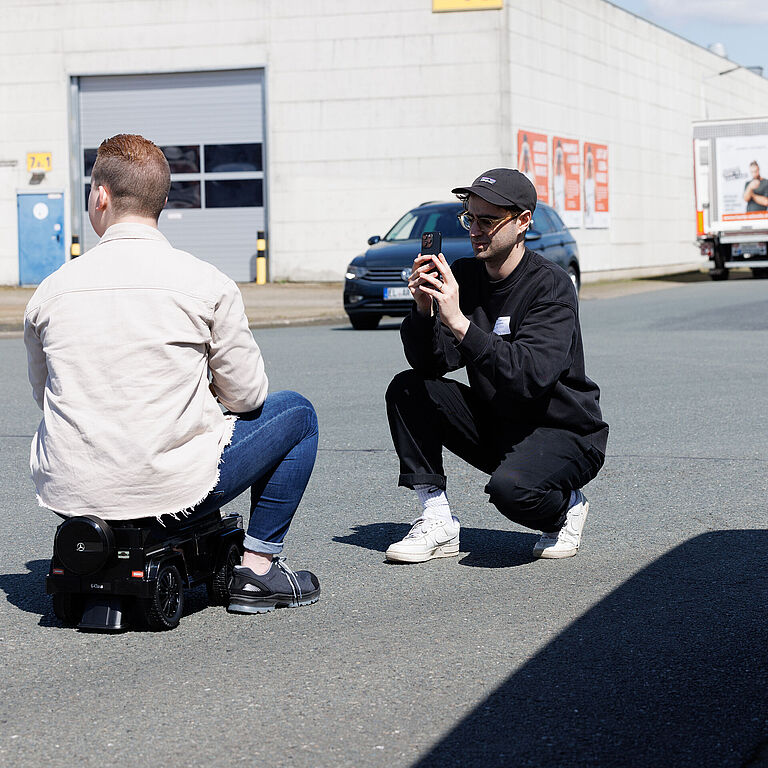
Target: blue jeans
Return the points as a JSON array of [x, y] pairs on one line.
[[272, 451]]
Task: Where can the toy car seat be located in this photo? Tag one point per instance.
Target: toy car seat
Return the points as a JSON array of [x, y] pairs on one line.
[[105, 574]]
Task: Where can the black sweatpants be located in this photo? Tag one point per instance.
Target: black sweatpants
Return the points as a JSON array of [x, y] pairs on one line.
[[533, 471]]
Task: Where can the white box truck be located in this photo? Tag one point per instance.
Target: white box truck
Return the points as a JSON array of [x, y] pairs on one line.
[[730, 170]]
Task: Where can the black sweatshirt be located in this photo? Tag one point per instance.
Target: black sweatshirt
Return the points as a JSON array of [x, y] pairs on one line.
[[522, 351]]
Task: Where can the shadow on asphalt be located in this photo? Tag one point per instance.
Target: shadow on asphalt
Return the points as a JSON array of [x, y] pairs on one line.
[[671, 669], [480, 547], [701, 276], [27, 592]]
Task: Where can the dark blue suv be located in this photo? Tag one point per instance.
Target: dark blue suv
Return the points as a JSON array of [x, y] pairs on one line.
[[376, 282]]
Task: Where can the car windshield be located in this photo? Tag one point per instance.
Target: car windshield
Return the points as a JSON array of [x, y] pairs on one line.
[[441, 220]]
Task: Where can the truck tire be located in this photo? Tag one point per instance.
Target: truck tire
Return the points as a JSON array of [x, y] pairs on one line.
[[760, 273], [719, 274]]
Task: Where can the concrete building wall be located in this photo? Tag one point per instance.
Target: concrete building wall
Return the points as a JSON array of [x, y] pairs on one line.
[[373, 108]]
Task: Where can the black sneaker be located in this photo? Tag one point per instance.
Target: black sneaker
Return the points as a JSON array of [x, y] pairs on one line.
[[279, 587]]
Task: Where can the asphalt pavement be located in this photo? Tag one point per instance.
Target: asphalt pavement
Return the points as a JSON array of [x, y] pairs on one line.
[[647, 649]]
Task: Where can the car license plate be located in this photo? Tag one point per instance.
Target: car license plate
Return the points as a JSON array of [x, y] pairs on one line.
[[748, 249], [396, 293]]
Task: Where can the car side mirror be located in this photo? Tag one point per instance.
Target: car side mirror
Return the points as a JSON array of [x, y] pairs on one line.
[[532, 235], [373, 239]]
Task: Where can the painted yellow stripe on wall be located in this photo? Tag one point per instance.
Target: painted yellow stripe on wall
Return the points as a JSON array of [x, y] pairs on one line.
[[438, 6]]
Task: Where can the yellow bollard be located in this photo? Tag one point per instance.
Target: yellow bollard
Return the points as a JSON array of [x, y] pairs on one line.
[[261, 259]]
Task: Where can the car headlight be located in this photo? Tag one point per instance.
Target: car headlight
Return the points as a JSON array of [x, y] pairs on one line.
[[353, 272]]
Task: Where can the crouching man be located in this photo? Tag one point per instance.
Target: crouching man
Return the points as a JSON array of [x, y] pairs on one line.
[[530, 417], [121, 344]]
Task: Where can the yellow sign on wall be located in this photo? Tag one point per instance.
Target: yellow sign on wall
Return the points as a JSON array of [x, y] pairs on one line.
[[438, 6], [39, 162]]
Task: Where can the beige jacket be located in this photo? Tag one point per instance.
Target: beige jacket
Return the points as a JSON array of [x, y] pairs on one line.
[[120, 343]]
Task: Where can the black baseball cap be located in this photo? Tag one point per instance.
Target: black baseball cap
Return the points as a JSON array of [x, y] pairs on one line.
[[504, 187]]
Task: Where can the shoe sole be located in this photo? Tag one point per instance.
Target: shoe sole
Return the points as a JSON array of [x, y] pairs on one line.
[[445, 550], [562, 554], [544, 555], [267, 605]]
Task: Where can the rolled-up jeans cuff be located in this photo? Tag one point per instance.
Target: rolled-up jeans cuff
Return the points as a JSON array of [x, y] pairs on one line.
[[262, 547]]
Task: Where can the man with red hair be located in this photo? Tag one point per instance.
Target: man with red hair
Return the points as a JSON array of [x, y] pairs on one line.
[[127, 347]]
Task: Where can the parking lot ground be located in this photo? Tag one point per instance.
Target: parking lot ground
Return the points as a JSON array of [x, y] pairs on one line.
[[647, 649], [280, 304]]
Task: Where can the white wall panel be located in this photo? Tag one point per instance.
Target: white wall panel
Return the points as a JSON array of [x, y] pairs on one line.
[[374, 107]]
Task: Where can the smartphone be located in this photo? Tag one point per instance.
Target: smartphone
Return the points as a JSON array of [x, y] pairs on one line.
[[431, 243]]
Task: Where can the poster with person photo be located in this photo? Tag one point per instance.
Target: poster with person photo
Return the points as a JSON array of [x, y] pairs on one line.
[[596, 209], [533, 161], [742, 190], [566, 180]]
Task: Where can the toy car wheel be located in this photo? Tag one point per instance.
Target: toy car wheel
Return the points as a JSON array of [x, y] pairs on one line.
[[164, 608], [218, 586], [68, 608]]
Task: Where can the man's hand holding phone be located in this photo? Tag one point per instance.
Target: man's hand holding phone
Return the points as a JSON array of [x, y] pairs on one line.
[[421, 266], [432, 280]]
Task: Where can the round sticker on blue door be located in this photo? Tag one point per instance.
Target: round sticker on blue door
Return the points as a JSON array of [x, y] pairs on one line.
[[40, 211]]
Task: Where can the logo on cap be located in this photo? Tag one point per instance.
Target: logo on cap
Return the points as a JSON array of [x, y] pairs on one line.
[[487, 179]]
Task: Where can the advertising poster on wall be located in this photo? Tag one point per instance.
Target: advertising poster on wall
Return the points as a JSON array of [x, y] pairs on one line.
[[566, 180], [532, 160], [596, 211], [741, 188]]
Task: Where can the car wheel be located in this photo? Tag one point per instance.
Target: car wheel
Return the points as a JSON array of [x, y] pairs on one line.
[[718, 274], [68, 608], [164, 608], [364, 322], [573, 273], [218, 586], [759, 272]]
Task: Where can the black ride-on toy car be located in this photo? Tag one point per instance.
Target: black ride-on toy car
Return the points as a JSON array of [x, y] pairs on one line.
[[110, 576]]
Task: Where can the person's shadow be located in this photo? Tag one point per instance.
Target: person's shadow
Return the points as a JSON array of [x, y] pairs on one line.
[[671, 669], [27, 592], [480, 547]]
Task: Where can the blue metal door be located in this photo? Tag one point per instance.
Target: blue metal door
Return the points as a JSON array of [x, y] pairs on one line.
[[41, 235]]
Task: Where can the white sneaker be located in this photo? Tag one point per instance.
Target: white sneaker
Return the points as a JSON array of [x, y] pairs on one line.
[[427, 539], [565, 542]]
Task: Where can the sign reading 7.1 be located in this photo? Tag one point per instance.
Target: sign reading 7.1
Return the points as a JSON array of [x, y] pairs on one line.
[[39, 162]]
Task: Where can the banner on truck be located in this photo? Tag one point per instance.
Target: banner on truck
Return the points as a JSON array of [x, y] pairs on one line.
[[533, 161], [596, 212], [741, 187], [566, 180]]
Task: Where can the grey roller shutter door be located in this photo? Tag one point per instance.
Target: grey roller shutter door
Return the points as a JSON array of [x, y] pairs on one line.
[[201, 109]]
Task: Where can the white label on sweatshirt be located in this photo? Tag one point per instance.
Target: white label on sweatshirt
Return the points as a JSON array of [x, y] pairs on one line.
[[502, 326]]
